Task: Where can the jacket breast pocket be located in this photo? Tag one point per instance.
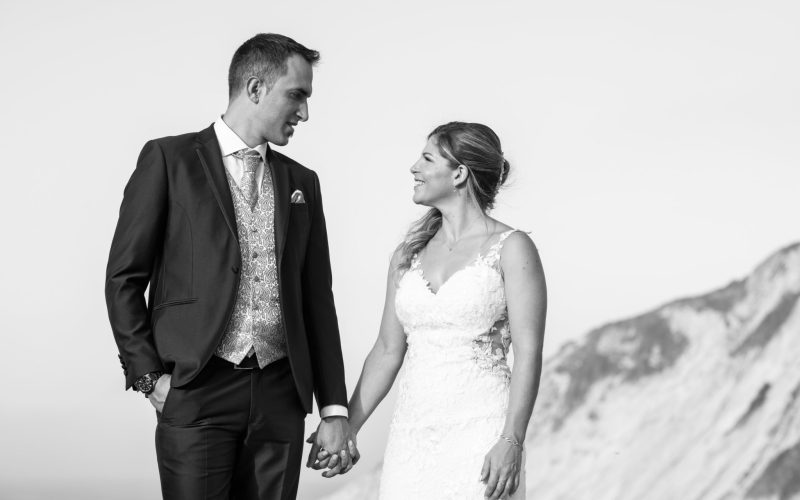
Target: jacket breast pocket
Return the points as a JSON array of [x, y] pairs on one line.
[[299, 216], [298, 231], [299, 208]]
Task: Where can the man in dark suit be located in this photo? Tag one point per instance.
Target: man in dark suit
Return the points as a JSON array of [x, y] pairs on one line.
[[239, 328]]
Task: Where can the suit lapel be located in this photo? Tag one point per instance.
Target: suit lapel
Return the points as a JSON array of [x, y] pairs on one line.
[[280, 184], [207, 148]]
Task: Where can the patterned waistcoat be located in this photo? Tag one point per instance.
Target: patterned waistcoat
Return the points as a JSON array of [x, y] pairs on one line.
[[256, 319]]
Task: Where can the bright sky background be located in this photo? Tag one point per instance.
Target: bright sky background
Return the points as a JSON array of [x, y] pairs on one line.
[[654, 149]]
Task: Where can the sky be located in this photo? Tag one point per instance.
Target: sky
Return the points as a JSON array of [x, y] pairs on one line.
[[654, 151]]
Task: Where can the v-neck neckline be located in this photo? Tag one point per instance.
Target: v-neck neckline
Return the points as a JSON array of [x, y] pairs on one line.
[[427, 282], [417, 265]]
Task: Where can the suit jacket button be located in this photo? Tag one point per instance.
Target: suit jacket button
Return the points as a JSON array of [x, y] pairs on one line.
[[235, 269]]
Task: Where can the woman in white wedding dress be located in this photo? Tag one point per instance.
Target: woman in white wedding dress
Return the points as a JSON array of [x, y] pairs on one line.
[[461, 288]]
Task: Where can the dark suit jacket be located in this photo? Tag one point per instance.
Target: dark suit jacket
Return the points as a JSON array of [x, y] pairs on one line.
[[177, 234]]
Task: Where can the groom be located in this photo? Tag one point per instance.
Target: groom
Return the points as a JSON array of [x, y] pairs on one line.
[[239, 327]]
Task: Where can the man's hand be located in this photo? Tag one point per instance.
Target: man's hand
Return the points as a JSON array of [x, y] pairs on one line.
[[159, 394], [332, 446], [324, 458]]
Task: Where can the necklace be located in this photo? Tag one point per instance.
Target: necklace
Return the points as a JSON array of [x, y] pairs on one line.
[[451, 246]]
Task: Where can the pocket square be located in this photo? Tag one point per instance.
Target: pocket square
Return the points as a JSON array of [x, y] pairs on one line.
[[297, 197]]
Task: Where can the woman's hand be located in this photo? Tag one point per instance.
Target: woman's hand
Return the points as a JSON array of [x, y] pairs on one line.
[[501, 469]]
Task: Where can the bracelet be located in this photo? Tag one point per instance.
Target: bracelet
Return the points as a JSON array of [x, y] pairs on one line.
[[511, 441]]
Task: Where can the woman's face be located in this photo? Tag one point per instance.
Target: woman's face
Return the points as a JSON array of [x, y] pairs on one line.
[[434, 177]]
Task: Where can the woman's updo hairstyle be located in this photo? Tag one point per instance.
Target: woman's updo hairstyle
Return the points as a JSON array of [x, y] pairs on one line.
[[475, 146]]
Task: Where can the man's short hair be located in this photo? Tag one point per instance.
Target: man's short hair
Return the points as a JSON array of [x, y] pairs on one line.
[[264, 56]]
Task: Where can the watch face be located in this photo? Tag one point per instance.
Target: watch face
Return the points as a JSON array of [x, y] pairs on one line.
[[147, 383]]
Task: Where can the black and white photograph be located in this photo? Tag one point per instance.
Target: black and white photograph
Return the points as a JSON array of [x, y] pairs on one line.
[[441, 250]]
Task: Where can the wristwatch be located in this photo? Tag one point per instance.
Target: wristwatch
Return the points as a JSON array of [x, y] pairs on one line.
[[146, 384]]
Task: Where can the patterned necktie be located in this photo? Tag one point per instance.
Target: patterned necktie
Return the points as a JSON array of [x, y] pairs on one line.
[[249, 186]]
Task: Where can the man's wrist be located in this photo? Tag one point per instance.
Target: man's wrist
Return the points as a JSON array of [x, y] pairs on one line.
[[146, 384]]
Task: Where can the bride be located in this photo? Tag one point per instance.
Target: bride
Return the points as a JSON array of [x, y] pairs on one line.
[[462, 287]]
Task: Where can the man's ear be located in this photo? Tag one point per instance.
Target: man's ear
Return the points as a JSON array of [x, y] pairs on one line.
[[460, 175], [253, 89]]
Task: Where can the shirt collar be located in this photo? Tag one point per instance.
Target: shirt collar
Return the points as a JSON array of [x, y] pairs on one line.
[[230, 143]]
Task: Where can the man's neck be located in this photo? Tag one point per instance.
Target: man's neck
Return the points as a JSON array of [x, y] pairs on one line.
[[242, 125]]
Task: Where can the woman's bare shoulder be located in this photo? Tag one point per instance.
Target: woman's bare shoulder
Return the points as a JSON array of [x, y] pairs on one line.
[[519, 247]]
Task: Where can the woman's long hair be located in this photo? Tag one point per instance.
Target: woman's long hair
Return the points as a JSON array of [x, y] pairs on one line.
[[475, 146]]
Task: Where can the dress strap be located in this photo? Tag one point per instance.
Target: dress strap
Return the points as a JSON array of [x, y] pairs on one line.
[[493, 255]]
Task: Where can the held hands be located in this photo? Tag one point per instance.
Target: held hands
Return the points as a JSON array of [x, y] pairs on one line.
[[159, 394], [333, 446], [501, 469]]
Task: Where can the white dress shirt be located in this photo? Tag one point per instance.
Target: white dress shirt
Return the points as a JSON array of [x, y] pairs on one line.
[[230, 143]]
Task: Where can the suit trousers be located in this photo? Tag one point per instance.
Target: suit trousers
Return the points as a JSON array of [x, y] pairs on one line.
[[232, 434]]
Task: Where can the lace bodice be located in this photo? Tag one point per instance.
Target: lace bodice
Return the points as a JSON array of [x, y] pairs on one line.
[[468, 310], [454, 389]]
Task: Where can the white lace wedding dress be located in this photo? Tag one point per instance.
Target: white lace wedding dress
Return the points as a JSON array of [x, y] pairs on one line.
[[453, 390]]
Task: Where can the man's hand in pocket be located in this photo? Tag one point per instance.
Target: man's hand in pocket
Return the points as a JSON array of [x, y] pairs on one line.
[[159, 394]]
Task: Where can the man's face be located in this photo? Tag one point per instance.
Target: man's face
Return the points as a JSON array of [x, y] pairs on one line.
[[286, 104]]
